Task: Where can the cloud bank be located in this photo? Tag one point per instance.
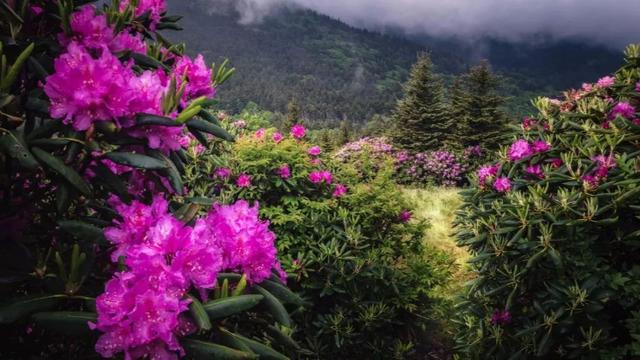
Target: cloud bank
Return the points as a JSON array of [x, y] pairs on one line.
[[613, 22]]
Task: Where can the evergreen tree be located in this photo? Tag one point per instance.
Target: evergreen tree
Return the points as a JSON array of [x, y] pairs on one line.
[[293, 115], [420, 119], [458, 113], [325, 140], [486, 120], [344, 133]]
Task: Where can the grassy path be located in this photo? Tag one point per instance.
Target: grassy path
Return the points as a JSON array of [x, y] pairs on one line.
[[438, 206]]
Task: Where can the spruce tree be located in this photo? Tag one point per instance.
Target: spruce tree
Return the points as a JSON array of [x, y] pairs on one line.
[[458, 113], [293, 115], [420, 119], [486, 120], [344, 133]]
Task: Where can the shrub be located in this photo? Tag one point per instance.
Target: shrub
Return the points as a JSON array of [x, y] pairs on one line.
[[356, 257], [98, 112], [553, 230], [439, 167]]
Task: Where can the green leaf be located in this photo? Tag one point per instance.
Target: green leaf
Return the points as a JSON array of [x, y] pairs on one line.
[[210, 128], [11, 76], [150, 119], [65, 171], [82, 230], [136, 160], [170, 171], [199, 314], [13, 144], [281, 338], [202, 349], [282, 292], [72, 323], [222, 308], [19, 308], [146, 62], [263, 350], [275, 307]]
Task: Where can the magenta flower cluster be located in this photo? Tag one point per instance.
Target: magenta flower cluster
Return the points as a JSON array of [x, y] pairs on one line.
[[91, 84], [141, 311]]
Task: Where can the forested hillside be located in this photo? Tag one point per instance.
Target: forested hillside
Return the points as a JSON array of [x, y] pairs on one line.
[[339, 72]]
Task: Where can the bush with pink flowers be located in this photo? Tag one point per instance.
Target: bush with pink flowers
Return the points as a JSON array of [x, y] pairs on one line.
[[553, 230], [357, 254], [441, 167], [102, 255]]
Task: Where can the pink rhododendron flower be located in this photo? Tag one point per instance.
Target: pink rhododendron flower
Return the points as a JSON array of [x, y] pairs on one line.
[[36, 10], [317, 177], [556, 163], [623, 109], [148, 90], [535, 170], [222, 173], [277, 137], [240, 124], [284, 171], [486, 172], [124, 41], [519, 150], [501, 318], [606, 82], [247, 243], [259, 133], [163, 138], [527, 123], [140, 312], [89, 29], [638, 86], [154, 7], [84, 90], [405, 216], [314, 151], [298, 131], [587, 87], [339, 191], [198, 77], [540, 146], [243, 181], [502, 184]]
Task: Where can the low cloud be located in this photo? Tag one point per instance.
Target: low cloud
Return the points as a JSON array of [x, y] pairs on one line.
[[613, 22]]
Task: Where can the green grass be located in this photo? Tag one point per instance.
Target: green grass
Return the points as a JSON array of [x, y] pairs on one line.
[[438, 206]]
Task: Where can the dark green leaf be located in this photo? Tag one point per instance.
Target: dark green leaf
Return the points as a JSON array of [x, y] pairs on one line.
[[275, 307], [136, 160], [201, 350], [210, 128], [222, 308], [65, 171], [199, 314], [72, 323], [19, 308]]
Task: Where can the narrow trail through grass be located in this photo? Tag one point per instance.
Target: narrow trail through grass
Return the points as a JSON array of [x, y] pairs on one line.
[[438, 205]]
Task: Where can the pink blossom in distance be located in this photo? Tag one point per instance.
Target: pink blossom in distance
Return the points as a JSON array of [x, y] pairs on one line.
[[243, 181], [298, 131], [502, 184]]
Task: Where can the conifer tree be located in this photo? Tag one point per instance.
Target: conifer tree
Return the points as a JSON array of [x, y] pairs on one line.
[[344, 133], [486, 120], [325, 140], [420, 119], [458, 113], [293, 115]]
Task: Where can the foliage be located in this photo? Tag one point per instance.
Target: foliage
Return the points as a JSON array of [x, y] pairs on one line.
[[440, 167], [553, 231], [420, 120], [365, 272], [98, 114]]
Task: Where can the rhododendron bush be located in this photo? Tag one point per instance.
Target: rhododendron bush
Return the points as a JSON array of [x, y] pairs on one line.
[[355, 250], [99, 117], [553, 230], [440, 167]]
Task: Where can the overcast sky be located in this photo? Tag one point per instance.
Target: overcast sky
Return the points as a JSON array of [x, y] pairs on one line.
[[604, 21]]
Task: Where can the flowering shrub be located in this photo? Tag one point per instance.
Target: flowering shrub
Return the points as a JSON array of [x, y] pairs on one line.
[[553, 230], [441, 167], [99, 116], [357, 255]]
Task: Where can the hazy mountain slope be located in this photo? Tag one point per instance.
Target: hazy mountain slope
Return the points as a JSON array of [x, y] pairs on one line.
[[337, 71]]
